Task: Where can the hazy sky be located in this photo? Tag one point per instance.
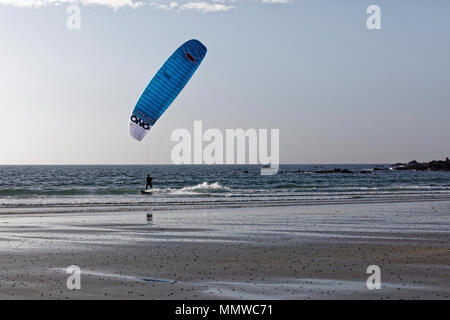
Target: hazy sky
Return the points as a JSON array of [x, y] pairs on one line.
[[338, 92]]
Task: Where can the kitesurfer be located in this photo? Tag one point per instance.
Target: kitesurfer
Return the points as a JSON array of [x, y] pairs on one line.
[[149, 182]]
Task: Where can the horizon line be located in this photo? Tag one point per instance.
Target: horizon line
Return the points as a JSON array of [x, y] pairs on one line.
[[193, 164]]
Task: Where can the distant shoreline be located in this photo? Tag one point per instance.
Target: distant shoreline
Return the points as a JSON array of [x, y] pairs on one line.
[[433, 165]]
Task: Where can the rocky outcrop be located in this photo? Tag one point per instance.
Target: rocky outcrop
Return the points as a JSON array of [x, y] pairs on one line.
[[334, 171], [435, 165]]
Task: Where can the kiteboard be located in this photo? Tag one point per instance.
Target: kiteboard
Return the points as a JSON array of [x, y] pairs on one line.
[[146, 192]]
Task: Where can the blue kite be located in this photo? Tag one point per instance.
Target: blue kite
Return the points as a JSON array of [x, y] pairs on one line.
[[165, 87]]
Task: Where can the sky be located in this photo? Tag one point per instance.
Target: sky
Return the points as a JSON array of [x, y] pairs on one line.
[[337, 91]]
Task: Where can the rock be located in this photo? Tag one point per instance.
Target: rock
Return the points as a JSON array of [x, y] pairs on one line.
[[336, 170], [435, 165]]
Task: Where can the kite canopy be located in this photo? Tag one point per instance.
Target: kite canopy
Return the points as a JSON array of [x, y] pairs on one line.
[[165, 87]]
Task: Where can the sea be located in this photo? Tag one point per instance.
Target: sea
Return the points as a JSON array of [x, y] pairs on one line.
[[216, 185]]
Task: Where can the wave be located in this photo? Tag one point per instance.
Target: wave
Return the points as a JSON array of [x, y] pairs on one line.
[[64, 192], [216, 189], [145, 204], [204, 187]]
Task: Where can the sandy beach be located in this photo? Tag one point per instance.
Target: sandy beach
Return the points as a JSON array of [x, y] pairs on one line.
[[224, 150], [297, 252]]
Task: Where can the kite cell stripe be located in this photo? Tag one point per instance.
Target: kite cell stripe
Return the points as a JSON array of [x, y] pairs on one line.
[[165, 87]]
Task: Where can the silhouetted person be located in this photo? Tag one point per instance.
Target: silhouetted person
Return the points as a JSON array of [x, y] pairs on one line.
[[149, 182]]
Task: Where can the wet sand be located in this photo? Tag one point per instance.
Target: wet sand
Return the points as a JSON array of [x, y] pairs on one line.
[[299, 252]]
